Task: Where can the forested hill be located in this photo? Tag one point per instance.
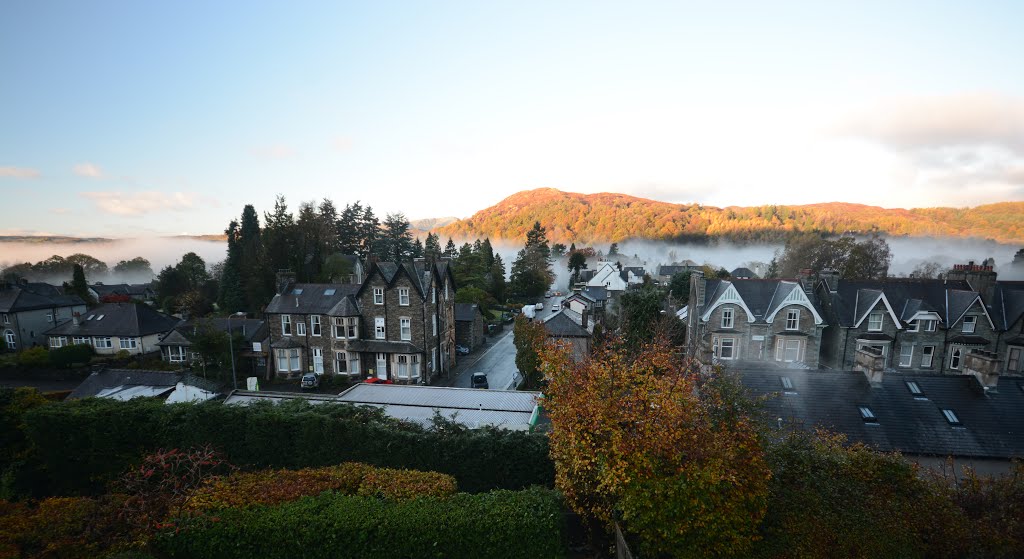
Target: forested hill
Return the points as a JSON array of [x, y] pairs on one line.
[[607, 217]]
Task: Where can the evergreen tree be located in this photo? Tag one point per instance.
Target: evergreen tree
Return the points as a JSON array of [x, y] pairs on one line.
[[329, 227], [278, 237], [79, 286], [231, 297], [308, 253], [349, 229], [449, 249], [531, 271], [417, 248], [396, 238], [613, 250], [497, 277], [255, 278], [432, 250], [487, 254], [369, 231]]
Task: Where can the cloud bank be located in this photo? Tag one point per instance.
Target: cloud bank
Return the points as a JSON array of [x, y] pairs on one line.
[[134, 204], [19, 172]]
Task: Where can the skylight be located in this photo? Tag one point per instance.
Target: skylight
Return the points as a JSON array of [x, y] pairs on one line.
[[951, 417], [867, 415], [330, 291], [297, 291], [100, 317], [90, 317], [915, 389], [787, 383]]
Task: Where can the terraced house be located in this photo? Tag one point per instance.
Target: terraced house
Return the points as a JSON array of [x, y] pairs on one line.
[[397, 324]]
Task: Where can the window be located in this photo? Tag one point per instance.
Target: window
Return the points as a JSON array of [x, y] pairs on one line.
[[329, 292], [913, 326], [725, 348], [100, 317], [867, 415], [403, 367], [787, 384], [353, 327], [954, 357], [341, 362], [415, 372], [314, 324], [433, 295], [338, 326], [727, 317], [293, 358], [287, 360], [883, 348], [176, 354], [906, 354], [915, 389], [382, 365], [300, 328], [102, 342], [286, 325], [433, 359], [928, 325], [378, 328], [403, 296], [435, 324], [793, 319], [49, 317], [406, 328], [378, 295], [318, 360], [80, 340], [128, 343], [875, 322], [969, 323], [951, 417], [353, 363], [1013, 360], [927, 352], [9, 338], [297, 291], [58, 341], [792, 351], [7, 318]]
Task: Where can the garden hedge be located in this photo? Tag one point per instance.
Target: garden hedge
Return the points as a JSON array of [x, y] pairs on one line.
[[85, 444], [497, 525]]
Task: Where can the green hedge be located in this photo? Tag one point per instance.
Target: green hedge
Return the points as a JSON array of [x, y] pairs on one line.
[[497, 525], [86, 444]]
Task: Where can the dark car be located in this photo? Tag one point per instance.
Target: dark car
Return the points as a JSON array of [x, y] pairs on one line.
[[478, 380]]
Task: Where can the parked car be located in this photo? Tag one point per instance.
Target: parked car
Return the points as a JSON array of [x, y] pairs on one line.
[[478, 380], [461, 350], [547, 295], [310, 381], [539, 306]]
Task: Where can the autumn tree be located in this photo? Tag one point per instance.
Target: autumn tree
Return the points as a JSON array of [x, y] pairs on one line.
[[647, 438], [529, 337]]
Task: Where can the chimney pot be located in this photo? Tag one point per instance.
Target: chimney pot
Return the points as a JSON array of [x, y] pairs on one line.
[[870, 361]]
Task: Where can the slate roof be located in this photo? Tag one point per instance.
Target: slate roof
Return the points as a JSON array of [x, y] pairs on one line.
[[466, 312], [1007, 304], [117, 319], [597, 293], [762, 296], [743, 273], [383, 346], [673, 269], [852, 299], [991, 424], [112, 378], [253, 330], [44, 289], [139, 290], [559, 325], [311, 298], [17, 298]]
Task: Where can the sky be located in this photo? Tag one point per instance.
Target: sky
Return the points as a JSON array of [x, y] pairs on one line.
[[136, 119]]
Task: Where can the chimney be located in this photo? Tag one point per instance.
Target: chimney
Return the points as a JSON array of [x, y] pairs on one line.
[[806, 279], [697, 288], [285, 278], [831, 279], [584, 317], [76, 318], [869, 361], [984, 366], [982, 278]]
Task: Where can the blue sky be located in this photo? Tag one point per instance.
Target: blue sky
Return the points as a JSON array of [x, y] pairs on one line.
[[124, 118]]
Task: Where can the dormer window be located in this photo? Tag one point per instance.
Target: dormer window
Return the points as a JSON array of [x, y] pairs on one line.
[[928, 325], [867, 415], [727, 317], [378, 295], [875, 322], [793, 319], [913, 326], [100, 317], [969, 323]]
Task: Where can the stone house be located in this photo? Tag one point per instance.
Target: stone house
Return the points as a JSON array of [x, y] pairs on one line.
[[28, 310], [563, 327], [252, 336], [771, 320], [397, 324], [114, 327], [1008, 313], [469, 325]]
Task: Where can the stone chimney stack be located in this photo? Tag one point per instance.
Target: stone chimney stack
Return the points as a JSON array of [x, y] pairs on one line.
[[584, 317], [981, 277], [984, 366], [831, 278], [76, 318], [285, 278], [869, 361], [697, 288], [806, 279]]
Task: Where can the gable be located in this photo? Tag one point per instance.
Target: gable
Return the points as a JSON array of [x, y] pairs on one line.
[[976, 303], [871, 308], [796, 297], [728, 297]]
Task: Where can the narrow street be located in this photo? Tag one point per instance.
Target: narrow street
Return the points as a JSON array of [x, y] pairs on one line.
[[497, 358]]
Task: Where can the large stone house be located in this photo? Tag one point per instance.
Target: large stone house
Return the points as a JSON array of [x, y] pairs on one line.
[[397, 324], [469, 325], [28, 310], [113, 327], [250, 336], [772, 320]]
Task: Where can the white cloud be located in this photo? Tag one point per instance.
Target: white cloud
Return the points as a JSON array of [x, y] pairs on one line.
[[60, 211], [19, 172], [341, 144], [88, 170], [140, 203], [276, 151]]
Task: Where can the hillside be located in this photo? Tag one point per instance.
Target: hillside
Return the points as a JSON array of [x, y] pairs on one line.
[[607, 217]]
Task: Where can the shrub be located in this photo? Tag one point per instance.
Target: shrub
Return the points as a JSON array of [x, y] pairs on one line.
[[65, 527], [273, 487], [77, 354], [500, 524], [386, 483], [34, 357], [19, 472]]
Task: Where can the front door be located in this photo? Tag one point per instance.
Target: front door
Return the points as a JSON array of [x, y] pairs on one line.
[[382, 366], [318, 360]]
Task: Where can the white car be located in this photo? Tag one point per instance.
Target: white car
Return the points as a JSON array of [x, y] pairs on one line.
[[539, 306]]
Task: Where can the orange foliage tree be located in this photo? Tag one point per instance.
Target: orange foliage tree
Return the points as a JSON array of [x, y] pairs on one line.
[[646, 437]]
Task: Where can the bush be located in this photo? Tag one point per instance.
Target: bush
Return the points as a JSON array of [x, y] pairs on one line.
[[273, 487], [77, 354], [386, 483], [106, 436], [34, 357], [65, 527], [500, 524], [19, 471]]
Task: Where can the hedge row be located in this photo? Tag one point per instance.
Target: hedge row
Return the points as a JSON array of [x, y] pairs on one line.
[[498, 525], [274, 487], [86, 444]]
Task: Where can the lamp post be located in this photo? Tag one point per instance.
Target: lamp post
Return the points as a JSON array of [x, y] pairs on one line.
[[231, 350]]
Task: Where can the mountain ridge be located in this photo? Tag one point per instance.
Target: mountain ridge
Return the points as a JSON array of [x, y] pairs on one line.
[[613, 217]]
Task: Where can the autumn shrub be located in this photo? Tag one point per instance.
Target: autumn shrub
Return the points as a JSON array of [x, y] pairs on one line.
[[387, 483], [34, 357], [993, 513], [273, 487], [497, 525], [65, 527]]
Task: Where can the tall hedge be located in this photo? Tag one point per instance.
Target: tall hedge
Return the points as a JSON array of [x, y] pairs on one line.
[[497, 525], [85, 444]]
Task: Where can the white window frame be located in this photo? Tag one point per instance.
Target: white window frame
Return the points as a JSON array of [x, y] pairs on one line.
[[405, 328], [353, 363], [914, 325], [177, 354], [928, 324], [380, 331], [314, 325], [77, 340], [433, 294], [382, 371], [293, 359], [300, 328], [728, 317], [58, 341], [378, 295], [9, 339], [403, 296], [402, 367], [341, 362], [906, 355], [793, 317], [318, 360], [49, 317], [796, 351], [352, 326], [433, 359], [956, 357], [338, 328], [128, 343], [102, 342], [973, 322], [720, 346], [875, 321], [434, 330], [927, 356], [1014, 357], [286, 325]]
